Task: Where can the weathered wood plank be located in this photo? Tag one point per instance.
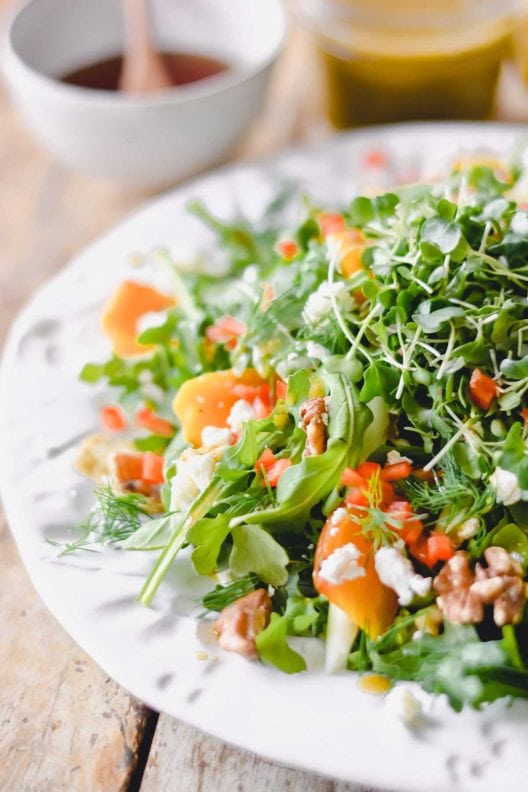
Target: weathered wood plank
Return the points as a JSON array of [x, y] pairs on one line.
[[182, 758], [64, 724]]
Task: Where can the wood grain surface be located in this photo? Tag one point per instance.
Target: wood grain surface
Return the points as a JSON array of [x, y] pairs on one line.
[[64, 724]]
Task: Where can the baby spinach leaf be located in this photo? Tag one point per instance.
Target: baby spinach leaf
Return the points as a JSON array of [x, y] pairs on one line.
[[255, 550], [456, 663], [515, 455], [515, 369], [431, 320], [379, 380], [153, 534], [208, 534], [273, 647]]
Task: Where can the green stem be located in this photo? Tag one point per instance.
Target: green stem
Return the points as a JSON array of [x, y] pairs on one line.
[[198, 509]]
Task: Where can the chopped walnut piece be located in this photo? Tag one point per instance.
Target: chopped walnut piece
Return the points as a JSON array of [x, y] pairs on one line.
[[463, 594], [314, 420], [501, 584], [240, 623]]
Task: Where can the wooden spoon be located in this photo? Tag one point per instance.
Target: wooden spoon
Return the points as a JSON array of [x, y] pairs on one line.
[[143, 68]]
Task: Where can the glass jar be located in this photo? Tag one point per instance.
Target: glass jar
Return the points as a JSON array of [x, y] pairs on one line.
[[400, 60]]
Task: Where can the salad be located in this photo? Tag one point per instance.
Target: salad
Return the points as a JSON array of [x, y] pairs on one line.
[[337, 431]]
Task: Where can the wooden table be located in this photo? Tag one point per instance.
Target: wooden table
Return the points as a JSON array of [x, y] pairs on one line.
[[64, 724]]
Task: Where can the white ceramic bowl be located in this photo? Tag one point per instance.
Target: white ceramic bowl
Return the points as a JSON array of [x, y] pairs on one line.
[[152, 140]]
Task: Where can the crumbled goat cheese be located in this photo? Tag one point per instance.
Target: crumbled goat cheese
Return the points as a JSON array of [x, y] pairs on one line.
[[396, 572], [394, 457], [404, 705], [338, 516], [194, 470], [215, 436], [519, 223], [317, 351], [468, 528], [506, 486], [241, 411], [149, 320], [342, 565], [319, 304]]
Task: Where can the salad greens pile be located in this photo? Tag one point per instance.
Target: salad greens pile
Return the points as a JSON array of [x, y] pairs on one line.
[[404, 317]]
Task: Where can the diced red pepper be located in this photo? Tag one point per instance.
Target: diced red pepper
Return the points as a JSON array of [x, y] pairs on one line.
[[268, 295], [152, 468], [399, 470], [146, 419], [375, 158], [331, 223], [113, 418], [128, 466], [482, 389], [387, 492], [225, 330], [368, 469], [357, 497], [400, 507], [261, 408], [275, 472], [287, 248], [250, 392], [524, 415], [432, 549], [266, 460], [351, 478], [411, 531], [280, 389], [439, 548]]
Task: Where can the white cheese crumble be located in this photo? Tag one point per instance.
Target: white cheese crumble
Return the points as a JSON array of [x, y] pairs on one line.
[[403, 704], [317, 351], [506, 486], [394, 457], [194, 470], [338, 515], [468, 528], [241, 411], [149, 320], [215, 436], [341, 565], [319, 304], [396, 572]]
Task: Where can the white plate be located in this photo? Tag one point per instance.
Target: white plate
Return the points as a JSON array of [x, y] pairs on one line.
[[324, 724]]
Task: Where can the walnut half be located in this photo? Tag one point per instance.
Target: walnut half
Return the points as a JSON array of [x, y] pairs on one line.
[[239, 624], [463, 594], [314, 419]]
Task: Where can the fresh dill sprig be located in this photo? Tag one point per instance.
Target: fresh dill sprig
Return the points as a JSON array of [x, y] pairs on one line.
[[113, 519], [222, 596], [454, 494]]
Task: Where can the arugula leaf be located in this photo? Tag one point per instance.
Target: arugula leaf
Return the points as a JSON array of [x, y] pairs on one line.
[[379, 380], [514, 456], [208, 534], [273, 647], [255, 550], [457, 663], [515, 369], [513, 538], [153, 534], [444, 235]]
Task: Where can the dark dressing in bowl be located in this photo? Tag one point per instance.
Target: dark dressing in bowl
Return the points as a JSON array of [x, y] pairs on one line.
[[183, 67]]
